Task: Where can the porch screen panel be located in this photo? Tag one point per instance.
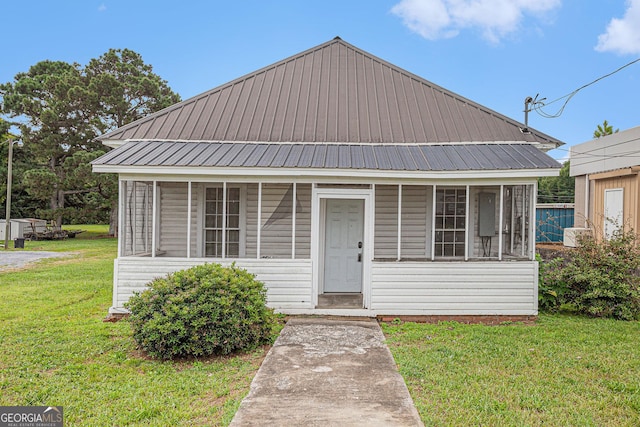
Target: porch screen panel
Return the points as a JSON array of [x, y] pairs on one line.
[[484, 221], [516, 234], [137, 221], [213, 222], [251, 221], [416, 222], [386, 222], [450, 219], [276, 218], [303, 221], [173, 216]]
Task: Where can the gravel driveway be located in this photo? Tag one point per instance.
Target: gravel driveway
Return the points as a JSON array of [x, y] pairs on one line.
[[11, 260]]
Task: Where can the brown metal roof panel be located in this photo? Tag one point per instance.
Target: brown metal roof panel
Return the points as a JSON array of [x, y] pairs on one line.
[[235, 114], [182, 117], [224, 130], [215, 111]]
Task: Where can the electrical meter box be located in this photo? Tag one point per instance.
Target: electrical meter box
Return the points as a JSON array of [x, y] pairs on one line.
[[487, 214]]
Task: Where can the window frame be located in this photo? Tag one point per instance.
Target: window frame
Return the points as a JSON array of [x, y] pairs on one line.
[[224, 227]]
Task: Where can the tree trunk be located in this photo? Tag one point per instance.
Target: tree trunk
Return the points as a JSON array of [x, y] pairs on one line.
[[113, 220]]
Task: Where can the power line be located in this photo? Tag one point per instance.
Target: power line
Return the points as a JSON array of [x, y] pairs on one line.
[[537, 105]]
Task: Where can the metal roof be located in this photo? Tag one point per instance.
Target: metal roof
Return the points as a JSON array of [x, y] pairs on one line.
[[391, 157], [334, 92]]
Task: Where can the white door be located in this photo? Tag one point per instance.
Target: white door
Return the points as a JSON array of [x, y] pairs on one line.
[[343, 245], [613, 205]]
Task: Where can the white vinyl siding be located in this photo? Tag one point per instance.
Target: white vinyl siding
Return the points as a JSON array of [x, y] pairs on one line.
[[457, 287], [386, 222], [288, 282]]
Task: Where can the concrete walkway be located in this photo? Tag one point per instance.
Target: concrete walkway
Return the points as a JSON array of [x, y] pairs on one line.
[[326, 372]]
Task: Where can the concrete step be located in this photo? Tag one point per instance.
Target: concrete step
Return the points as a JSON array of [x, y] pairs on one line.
[[340, 300]]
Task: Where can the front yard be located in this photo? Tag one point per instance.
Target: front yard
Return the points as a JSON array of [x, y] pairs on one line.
[[55, 350]]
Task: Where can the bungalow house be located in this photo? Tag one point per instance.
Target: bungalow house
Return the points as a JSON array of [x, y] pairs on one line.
[[607, 182], [349, 186]]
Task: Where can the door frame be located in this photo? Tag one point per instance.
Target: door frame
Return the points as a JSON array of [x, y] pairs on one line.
[[318, 219]]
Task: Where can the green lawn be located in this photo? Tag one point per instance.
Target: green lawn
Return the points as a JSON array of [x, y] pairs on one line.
[[55, 350], [562, 371]]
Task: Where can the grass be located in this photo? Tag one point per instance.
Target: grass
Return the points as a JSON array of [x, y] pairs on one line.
[[55, 349], [564, 370]]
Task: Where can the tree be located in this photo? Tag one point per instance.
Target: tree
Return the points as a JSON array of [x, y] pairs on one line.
[[126, 90], [62, 108], [51, 98], [557, 189], [604, 129]]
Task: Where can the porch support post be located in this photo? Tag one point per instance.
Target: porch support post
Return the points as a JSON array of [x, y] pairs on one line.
[[154, 221], [259, 221], [500, 222], [399, 221], [466, 225], [189, 219], [293, 223], [134, 227], [433, 224], [532, 221], [122, 197], [523, 229], [224, 219], [512, 233], [373, 222]]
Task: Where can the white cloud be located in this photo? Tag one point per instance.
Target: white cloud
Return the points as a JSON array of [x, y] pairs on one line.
[[435, 19], [102, 8], [622, 35]]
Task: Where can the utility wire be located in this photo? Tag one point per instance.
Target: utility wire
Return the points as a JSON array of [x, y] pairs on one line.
[[538, 105]]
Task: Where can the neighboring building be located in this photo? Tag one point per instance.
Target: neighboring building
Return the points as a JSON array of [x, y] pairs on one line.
[[607, 182], [335, 174]]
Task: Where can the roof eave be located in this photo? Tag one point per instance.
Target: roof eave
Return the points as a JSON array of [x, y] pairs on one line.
[[320, 173]]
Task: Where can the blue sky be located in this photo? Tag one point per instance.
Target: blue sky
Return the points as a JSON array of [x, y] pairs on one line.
[[494, 52]]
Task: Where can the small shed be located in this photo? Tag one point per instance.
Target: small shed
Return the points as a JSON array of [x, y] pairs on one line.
[[607, 182], [20, 226]]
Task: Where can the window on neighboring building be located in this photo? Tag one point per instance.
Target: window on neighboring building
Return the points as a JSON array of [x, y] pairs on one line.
[[451, 212], [213, 223]]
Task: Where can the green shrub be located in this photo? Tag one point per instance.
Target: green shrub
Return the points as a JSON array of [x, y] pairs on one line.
[[202, 311], [600, 278]]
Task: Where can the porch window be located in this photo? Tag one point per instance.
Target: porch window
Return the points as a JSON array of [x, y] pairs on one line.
[[451, 212], [214, 222]]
